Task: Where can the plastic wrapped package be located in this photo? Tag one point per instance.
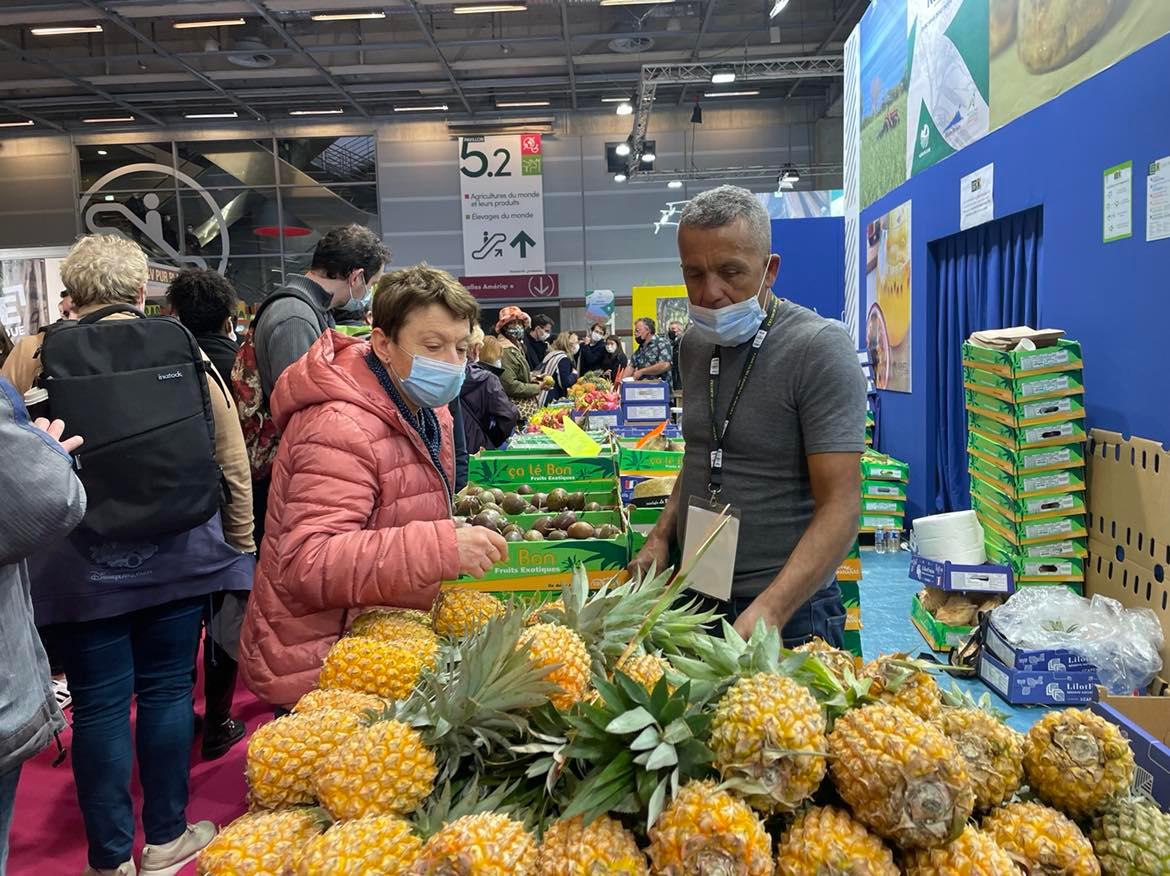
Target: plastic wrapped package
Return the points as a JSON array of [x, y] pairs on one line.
[[1123, 643]]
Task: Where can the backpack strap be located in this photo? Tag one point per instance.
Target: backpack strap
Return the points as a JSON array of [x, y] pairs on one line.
[[110, 310]]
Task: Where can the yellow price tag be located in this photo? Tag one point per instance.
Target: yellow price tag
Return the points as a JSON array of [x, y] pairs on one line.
[[572, 439]]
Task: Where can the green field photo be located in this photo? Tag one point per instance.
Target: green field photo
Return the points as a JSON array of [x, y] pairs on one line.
[[883, 148]]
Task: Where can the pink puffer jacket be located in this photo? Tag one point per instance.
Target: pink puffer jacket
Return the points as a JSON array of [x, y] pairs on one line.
[[357, 516]]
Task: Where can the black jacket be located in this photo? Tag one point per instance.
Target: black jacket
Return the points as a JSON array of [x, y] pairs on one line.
[[592, 357], [489, 417], [534, 352], [221, 350]]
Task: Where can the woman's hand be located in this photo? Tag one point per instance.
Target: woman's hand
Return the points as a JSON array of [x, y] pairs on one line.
[[480, 548]]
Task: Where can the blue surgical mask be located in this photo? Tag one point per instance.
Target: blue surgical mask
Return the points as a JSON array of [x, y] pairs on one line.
[[732, 325], [432, 383]]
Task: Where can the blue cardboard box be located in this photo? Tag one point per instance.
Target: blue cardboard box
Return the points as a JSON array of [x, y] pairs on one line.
[[645, 391], [1054, 660], [945, 575], [1021, 687], [1145, 722]]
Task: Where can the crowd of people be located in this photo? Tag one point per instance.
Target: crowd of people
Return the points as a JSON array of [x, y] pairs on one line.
[[335, 461]]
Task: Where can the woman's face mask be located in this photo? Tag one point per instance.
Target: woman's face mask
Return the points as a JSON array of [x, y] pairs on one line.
[[611, 348], [597, 337], [515, 332]]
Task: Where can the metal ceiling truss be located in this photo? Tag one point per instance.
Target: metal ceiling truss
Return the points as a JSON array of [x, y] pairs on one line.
[[422, 25], [769, 171], [568, 52]]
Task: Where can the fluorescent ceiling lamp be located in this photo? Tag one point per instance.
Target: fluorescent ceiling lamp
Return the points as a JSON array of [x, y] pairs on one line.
[[622, 149], [26, 123], [518, 104], [731, 93], [482, 8], [615, 100], [778, 7], [625, 109], [619, 177], [63, 31], [103, 152], [316, 112], [231, 115], [106, 120], [674, 184], [722, 77], [213, 22], [648, 157], [346, 16], [634, 2], [434, 108]]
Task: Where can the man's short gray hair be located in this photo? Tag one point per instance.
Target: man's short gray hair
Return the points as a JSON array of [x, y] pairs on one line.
[[721, 206]]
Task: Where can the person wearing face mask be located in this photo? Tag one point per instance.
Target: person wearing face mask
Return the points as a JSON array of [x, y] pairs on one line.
[[516, 375], [592, 353], [615, 357], [536, 341], [489, 417], [653, 357], [783, 443], [560, 365], [378, 530]]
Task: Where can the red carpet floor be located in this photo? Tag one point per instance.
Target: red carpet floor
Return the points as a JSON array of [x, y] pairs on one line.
[[48, 838]]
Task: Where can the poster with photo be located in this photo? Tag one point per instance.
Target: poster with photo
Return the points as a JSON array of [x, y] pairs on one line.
[[883, 99], [25, 303], [887, 298]]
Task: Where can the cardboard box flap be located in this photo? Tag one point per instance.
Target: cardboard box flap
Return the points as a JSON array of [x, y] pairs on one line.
[[1129, 525]]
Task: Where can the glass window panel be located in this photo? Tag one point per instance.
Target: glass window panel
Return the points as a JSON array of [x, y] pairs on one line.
[[94, 166], [328, 160], [254, 277], [321, 208], [251, 217], [150, 219], [225, 163]]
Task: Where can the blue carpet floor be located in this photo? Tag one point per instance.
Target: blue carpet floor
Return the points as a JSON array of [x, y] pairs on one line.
[[886, 593]]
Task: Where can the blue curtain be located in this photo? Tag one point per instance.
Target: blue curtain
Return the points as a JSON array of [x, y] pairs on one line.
[[987, 278]]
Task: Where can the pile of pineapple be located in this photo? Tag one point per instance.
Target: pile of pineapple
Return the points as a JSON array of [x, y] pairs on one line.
[[608, 733]]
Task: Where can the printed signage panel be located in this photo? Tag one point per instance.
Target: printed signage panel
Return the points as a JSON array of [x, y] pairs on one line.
[[510, 287], [502, 193]]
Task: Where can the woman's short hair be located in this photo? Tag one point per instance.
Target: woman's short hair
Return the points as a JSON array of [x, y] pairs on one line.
[[564, 342], [491, 350], [104, 269], [401, 292], [476, 336]]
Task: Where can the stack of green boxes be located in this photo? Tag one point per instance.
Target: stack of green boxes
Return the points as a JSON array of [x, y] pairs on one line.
[[869, 428], [883, 492], [1025, 447]]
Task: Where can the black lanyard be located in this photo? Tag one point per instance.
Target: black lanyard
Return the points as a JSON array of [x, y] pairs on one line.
[[715, 478]]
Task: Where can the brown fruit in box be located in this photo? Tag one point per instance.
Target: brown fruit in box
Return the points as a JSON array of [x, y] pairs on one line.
[[542, 525], [580, 529], [593, 506], [468, 506], [524, 490], [513, 503], [608, 530], [540, 500], [577, 501], [497, 495], [556, 535], [516, 534], [510, 527], [533, 535], [494, 507], [472, 490], [487, 519], [565, 519], [558, 499]]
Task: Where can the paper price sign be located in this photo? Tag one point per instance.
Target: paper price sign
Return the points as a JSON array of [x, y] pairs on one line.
[[572, 439]]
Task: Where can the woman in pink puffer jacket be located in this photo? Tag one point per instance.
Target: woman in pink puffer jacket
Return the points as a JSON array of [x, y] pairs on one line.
[[359, 512]]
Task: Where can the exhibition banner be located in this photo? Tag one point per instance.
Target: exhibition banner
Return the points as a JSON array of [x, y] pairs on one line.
[[502, 196], [887, 299], [883, 99], [851, 101], [26, 303]]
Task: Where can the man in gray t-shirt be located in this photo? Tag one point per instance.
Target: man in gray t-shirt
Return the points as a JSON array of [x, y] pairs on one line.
[[791, 449]]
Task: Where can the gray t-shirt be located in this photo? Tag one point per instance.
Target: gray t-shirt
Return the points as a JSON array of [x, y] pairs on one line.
[[805, 395], [288, 327]]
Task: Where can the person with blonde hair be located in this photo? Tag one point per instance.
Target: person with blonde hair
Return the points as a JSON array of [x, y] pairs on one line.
[[560, 365], [123, 615], [489, 416]]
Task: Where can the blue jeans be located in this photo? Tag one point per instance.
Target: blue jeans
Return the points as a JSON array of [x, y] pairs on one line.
[[147, 654], [8, 782], [823, 615]]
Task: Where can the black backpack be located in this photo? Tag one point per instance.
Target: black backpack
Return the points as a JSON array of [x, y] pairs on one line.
[[136, 391]]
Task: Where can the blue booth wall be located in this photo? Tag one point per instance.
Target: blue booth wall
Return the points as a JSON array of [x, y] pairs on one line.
[[811, 272], [1114, 298]]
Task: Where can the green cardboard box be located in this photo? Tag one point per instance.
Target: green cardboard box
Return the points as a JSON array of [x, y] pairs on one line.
[[852, 643], [495, 468], [1036, 508], [1077, 548], [1028, 485], [880, 467], [896, 507], [649, 463], [1064, 356], [851, 599], [1037, 532], [1021, 462], [1028, 413], [548, 565], [870, 522], [1023, 389], [1026, 437], [850, 568], [1039, 570], [641, 521], [538, 442], [883, 490], [940, 636]]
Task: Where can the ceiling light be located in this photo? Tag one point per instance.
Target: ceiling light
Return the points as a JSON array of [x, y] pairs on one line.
[[722, 77], [519, 104], [102, 152], [622, 149], [346, 16], [648, 157], [231, 115], [435, 108], [108, 198], [214, 22], [480, 8], [731, 93], [625, 109], [634, 2], [615, 100], [316, 112], [674, 184], [62, 31], [619, 177], [106, 120], [777, 8], [23, 124]]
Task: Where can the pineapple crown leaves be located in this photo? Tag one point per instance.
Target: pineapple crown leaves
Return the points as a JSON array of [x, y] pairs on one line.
[[454, 800], [958, 698], [637, 746]]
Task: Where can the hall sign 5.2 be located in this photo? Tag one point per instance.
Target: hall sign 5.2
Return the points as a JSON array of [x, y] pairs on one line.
[[501, 192]]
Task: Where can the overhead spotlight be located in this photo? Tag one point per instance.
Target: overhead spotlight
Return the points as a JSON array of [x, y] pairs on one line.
[[619, 177], [778, 7], [102, 152], [723, 76], [625, 109], [697, 114], [648, 157], [674, 184], [622, 149]]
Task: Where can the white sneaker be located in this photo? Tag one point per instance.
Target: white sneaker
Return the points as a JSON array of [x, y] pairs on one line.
[[126, 869], [169, 859]]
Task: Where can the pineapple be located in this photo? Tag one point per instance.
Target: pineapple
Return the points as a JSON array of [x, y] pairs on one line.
[[542, 612], [459, 613], [393, 626], [994, 753], [902, 682], [706, 832], [283, 755], [1132, 838], [826, 840], [646, 669], [602, 848], [378, 844], [347, 700], [973, 853], [842, 664], [1077, 761], [488, 844], [768, 736], [1041, 840], [385, 669], [383, 769], [900, 775], [551, 645], [261, 843]]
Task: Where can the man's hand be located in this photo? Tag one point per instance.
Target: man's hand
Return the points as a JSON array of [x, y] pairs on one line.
[[55, 430], [655, 552], [759, 609], [480, 548], [637, 375]]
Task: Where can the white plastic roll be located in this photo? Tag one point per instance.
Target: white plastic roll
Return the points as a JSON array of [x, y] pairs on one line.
[[957, 537]]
